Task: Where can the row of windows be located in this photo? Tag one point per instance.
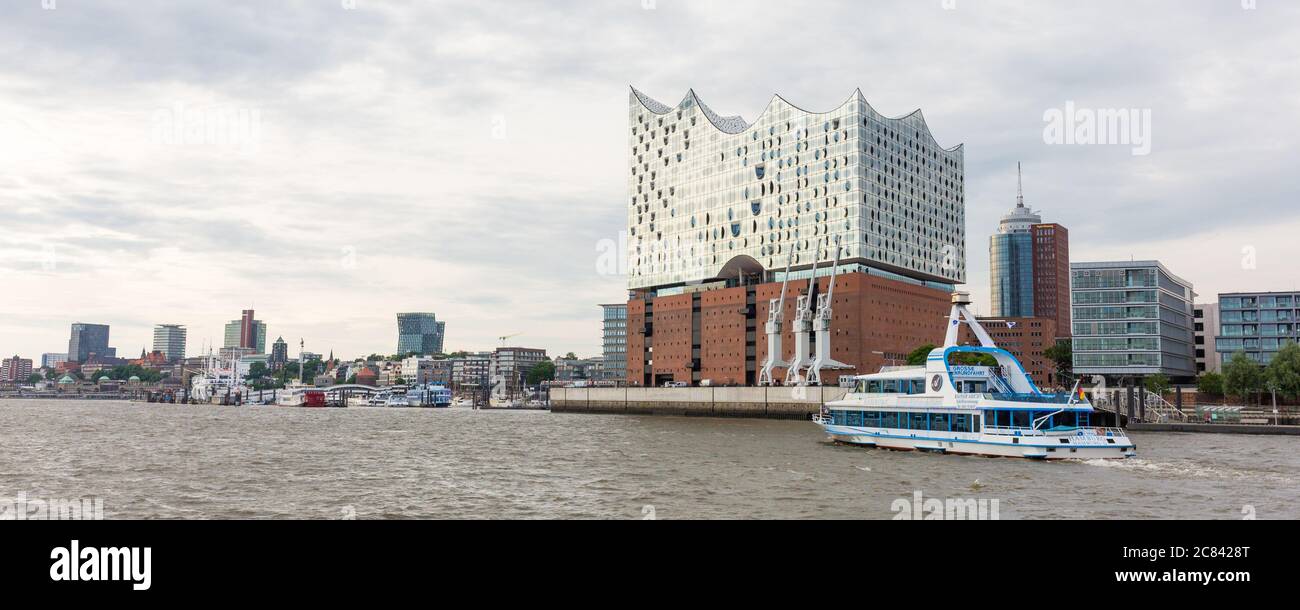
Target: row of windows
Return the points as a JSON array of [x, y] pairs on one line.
[[958, 422]]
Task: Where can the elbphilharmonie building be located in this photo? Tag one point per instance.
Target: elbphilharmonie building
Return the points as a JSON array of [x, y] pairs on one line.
[[716, 197]]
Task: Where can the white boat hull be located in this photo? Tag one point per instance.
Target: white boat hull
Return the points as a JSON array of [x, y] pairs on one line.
[[1045, 448]]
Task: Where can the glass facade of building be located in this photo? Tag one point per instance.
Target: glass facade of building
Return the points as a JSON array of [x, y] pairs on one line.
[[706, 190], [614, 340], [170, 340], [1257, 323], [1132, 319], [1011, 272], [420, 333], [88, 339]]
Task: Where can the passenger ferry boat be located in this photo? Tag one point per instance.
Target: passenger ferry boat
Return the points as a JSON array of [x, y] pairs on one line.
[[431, 395], [994, 411]]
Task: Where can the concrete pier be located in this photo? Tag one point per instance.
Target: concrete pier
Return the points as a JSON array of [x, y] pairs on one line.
[[766, 403], [1217, 428]]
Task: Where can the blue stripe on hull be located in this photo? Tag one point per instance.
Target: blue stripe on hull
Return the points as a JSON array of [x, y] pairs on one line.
[[973, 442]]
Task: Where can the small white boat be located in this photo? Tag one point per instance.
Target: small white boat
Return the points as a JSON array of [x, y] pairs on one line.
[[976, 410]]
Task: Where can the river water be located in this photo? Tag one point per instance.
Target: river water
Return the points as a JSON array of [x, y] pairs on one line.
[[166, 461]]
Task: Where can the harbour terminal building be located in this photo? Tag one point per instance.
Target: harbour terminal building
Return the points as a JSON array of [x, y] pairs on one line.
[[718, 208]]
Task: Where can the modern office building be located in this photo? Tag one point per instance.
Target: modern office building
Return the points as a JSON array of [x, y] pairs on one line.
[[1257, 323], [89, 339], [717, 208], [420, 333], [1205, 326], [170, 340], [1011, 261], [1132, 319], [246, 332], [1029, 266], [50, 361], [15, 370], [614, 341], [1052, 275]]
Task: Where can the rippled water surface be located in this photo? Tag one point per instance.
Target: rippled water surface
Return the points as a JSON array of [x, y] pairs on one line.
[[157, 461]]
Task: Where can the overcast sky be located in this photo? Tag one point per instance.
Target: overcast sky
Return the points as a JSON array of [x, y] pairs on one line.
[[333, 162]]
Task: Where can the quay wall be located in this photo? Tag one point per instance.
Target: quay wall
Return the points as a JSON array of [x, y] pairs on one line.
[[1217, 428], [764, 403]]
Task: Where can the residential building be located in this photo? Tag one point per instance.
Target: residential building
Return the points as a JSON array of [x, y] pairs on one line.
[[1205, 322], [51, 360], [420, 333], [718, 207], [614, 341], [1132, 319], [16, 369], [577, 369], [170, 340], [1257, 323], [89, 339], [246, 332], [509, 368], [471, 371]]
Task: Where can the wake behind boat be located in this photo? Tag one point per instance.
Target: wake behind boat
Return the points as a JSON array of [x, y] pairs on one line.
[[976, 410]]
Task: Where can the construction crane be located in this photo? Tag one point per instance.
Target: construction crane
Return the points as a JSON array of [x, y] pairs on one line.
[[503, 338]]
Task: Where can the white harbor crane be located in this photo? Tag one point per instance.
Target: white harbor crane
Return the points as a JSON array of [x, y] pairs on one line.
[[802, 327], [775, 317], [822, 327]]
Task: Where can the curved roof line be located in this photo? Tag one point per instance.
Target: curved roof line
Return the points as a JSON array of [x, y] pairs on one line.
[[736, 124]]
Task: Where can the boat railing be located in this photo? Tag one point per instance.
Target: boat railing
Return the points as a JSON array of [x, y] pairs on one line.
[[1066, 430], [1049, 399]]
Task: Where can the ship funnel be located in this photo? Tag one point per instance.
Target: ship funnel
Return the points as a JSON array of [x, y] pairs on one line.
[[961, 298]]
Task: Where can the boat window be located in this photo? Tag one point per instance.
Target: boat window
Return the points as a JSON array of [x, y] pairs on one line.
[[873, 387], [1020, 419], [855, 418], [918, 421], [871, 419], [939, 421], [960, 422], [861, 386], [889, 420]]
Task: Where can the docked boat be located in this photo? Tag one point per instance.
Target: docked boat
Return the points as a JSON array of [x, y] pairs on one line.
[[431, 395], [952, 406], [292, 396]]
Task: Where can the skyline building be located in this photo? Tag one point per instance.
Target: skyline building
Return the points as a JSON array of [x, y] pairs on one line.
[[16, 369], [1132, 319], [51, 360], [246, 332], [279, 354], [1029, 266], [718, 207], [420, 333], [170, 340], [89, 339]]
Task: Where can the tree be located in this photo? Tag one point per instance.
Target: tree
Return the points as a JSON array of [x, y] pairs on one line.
[[257, 370], [1210, 383], [973, 359], [1284, 372], [1157, 384], [570, 356], [918, 355], [542, 371], [1242, 376], [34, 378], [1063, 355]]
